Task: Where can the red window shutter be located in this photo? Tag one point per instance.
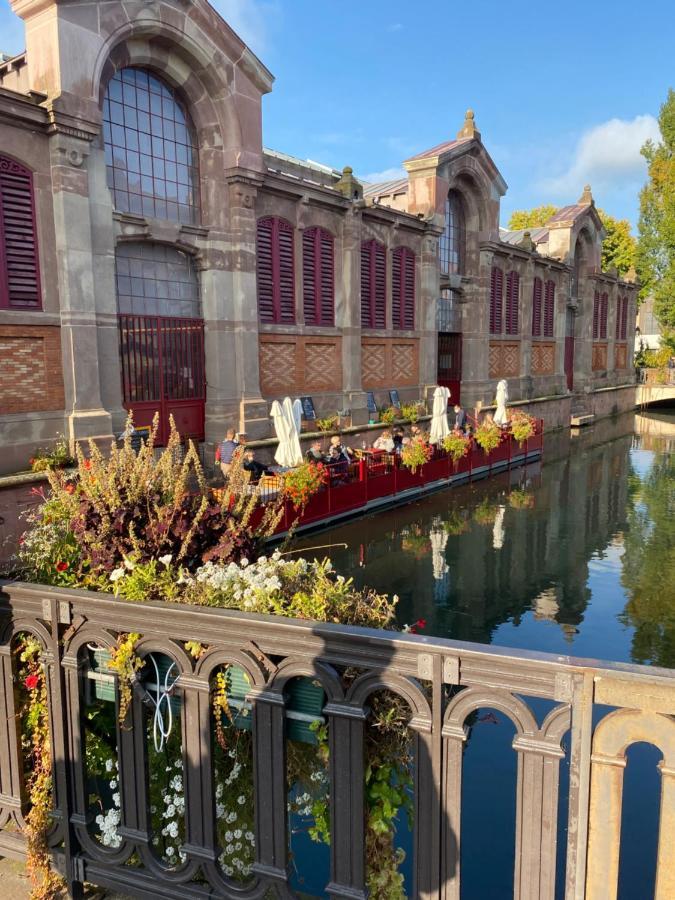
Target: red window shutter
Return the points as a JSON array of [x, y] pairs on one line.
[[403, 288], [617, 324], [19, 262], [512, 297], [549, 308], [596, 314], [624, 319], [536, 307], [496, 297], [603, 316], [275, 262], [318, 281], [373, 284]]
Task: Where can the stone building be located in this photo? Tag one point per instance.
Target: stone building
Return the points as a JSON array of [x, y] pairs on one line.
[[155, 257]]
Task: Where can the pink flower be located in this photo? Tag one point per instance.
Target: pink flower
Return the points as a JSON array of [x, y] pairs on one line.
[[32, 682]]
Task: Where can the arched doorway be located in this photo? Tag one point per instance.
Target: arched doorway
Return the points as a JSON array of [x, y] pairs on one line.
[[161, 337]]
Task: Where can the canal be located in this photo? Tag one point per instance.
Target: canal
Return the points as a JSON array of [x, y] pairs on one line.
[[574, 556]]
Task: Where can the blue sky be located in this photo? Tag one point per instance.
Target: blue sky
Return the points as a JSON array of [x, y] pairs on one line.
[[563, 93]]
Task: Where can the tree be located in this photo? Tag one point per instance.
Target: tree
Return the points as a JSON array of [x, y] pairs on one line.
[[618, 248], [619, 245], [531, 218], [656, 243]]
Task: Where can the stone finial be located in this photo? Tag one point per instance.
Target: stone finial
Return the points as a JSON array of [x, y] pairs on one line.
[[349, 186], [469, 130], [586, 198], [631, 275], [527, 243]]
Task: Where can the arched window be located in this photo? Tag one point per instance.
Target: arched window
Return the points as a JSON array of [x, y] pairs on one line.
[[452, 244], [156, 280], [19, 264], [403, 288], [537, 294], [373, 285], [275, 262], [512, 301], [496, 299], [318, 278], [150, 148], [549, 308]]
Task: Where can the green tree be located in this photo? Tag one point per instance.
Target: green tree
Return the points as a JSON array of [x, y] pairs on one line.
[[656, 243], [618, 248], [531, 218], [619, 245]]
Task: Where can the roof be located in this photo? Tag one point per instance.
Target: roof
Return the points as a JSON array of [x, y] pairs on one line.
[[568, 213], [386, 188], [439, 148], [538, 235]]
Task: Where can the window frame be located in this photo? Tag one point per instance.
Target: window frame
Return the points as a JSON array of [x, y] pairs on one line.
[[7, 163]]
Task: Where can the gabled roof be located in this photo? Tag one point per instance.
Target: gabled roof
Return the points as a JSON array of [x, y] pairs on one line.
[[568, 213], [538, 235], [439, 149], [385, 188]]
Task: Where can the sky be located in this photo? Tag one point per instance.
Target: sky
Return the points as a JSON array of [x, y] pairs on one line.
[[563, 94]]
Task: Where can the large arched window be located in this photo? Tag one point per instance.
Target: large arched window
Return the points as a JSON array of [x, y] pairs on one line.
[[19, 268], [452, 244], [150, 148]]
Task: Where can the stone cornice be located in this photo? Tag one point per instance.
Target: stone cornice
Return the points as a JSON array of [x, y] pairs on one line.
[[504, 249], [22, 110]]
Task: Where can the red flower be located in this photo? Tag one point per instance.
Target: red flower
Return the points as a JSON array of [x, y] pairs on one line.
[[87, 464], [415, 627], [61, 566], [31, 460], [69, 488], [32, 682]]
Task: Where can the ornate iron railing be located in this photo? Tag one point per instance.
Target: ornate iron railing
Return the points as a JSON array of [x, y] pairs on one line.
[[442, 682]]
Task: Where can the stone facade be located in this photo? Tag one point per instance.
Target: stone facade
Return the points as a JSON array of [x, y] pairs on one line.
[[60, 366]]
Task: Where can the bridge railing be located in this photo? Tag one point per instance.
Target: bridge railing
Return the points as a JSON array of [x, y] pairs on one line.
[[443, 683], [660, 377]]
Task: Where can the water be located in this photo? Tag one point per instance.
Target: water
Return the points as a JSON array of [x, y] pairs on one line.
[[575, 555]]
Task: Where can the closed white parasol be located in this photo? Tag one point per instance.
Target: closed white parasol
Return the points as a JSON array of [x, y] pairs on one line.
[[288, 452], [439, 416]]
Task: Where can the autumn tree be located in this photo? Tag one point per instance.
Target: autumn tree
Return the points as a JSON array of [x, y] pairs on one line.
[[656, 244], [618, 247]]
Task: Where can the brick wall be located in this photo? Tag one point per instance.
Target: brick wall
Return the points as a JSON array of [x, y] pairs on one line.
[[389, 363], [31, 379], [294, 364]]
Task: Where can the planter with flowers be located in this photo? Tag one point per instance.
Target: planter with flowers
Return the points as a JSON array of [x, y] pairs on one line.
[[488, 436], [458, 446], [56, 457], [523, 427]]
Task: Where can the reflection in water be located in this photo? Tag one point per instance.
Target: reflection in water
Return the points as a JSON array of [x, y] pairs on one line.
[[575, 556]]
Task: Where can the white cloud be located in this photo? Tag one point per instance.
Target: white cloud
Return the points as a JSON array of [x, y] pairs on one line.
[[251, 19], [605, 156], [385, 175], [395, 26]]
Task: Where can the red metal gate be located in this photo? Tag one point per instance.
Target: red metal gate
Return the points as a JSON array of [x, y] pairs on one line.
[[450, 362], [163, 372]]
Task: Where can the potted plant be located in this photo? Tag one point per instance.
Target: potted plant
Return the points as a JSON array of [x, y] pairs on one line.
[[388, 415], [56, 457], [329, 423], [488, 436], [523, 426], [344, 418], [415, 454], [301, 483], [456, 445]]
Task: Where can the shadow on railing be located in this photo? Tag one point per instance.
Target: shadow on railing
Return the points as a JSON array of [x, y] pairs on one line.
[[118, 838]]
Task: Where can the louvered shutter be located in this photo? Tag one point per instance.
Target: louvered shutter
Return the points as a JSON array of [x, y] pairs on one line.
[[536, 307], [275, 271], [624, 318], [617, 324], [366, 318], [19, 266], [596, 314], [603, 317], [318, 281], [512, 294], [549, 308], [380, 285], [403, 288], [496, 294], [286, 272]]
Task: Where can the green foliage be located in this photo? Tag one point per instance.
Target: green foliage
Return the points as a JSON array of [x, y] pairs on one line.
[[411, 411], [415, 454], [57, 456], [656, 243], [531, 218], [485, 513], [653, 359], [456, 445], [388, 415], [522, 426], [330, 423], [488, 435]]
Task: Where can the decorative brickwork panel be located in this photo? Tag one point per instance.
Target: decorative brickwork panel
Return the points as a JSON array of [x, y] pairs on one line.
[[31, 378], [599, 357], [389, 363], [323, 366], [278, 371], [620, 356], [504, 359], [543, 358], [295, 364]]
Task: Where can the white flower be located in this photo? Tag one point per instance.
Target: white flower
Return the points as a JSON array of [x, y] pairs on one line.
[[241, 800], [129, 564], [171, 811], [170, 851], [166, 559], [243, 562], [116, 574], [237, 834], [108, 765], [116, 799]]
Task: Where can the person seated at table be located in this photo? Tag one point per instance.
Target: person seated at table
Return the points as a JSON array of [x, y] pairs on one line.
[[415, 433], [461, 420], [339, 465], [226, 450], [385, 442], [343, 450], [315, 453], [397, 437], [257, 469]]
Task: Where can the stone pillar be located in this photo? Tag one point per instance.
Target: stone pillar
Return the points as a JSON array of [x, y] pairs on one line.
[[348, 315], [429, 292], [85, 414]]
